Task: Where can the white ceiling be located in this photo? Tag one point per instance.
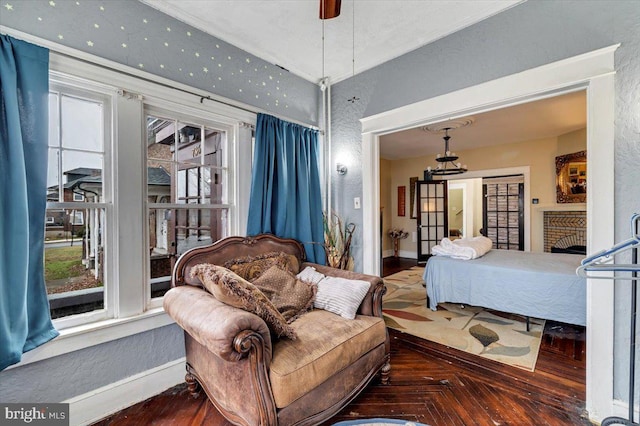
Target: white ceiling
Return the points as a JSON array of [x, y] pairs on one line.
[[545, 118], [289, 32]]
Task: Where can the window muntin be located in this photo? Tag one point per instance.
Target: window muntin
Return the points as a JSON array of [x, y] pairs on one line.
[[187, 191], [75, 223]]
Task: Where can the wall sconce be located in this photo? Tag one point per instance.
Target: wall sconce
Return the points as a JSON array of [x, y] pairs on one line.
[[341, 169]]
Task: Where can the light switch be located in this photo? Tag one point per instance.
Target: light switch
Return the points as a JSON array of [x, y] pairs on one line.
[[356, 203]]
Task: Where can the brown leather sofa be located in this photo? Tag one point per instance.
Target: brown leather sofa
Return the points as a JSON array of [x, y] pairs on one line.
[[254, 379]]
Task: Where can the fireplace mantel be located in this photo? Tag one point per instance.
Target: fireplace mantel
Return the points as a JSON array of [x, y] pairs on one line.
[[537, 220]]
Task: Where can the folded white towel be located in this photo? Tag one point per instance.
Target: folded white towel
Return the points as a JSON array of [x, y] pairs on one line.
[[463, 248]]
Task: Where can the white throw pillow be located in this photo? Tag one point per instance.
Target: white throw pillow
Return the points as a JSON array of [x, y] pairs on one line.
[[341, 296], [310, 275]]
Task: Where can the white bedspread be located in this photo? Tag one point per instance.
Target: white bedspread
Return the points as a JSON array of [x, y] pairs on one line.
[[463, 248]]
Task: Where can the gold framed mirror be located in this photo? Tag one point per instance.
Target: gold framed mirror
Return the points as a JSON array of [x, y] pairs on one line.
[[571, 178]]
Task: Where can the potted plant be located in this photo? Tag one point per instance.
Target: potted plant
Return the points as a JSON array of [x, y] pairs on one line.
[[337, 241], [397, 235]]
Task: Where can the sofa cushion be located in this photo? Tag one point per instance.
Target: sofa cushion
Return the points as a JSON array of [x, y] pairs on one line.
[[326, 344], [232, 290], [290, 296], [251, 267]]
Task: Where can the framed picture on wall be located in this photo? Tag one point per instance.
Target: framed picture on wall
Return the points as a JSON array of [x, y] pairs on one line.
[[402, 200], [571, 178]]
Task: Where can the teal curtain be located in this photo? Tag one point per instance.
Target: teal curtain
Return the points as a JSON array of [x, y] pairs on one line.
[[25, 321], [285, 185]]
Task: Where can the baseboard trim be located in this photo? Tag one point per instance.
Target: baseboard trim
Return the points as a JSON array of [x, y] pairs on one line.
[[401, 253], [97, 404]]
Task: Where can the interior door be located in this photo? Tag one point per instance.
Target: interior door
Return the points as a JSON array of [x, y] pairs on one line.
[[432, 209], [503, 207]]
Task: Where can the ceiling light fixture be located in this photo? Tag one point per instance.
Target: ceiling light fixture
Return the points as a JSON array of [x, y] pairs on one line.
[[446, 163]]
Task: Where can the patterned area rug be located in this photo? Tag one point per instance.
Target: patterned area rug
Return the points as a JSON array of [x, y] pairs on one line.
[[471, 329]]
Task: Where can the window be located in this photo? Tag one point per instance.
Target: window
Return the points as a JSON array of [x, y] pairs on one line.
[[77, 217], [101, 198], [76, 200], [187, 190]]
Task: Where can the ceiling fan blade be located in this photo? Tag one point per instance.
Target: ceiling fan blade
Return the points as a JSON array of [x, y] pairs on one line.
[[329, 8]]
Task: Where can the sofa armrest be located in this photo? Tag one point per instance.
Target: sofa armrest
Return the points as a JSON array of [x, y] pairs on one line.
[[222, 329], [372, 303]]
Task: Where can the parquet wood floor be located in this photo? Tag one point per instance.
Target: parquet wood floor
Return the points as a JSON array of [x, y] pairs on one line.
[[432, 384]]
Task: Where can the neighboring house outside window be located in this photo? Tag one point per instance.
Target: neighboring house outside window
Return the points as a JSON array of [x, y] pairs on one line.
[[187, 186], [74, 261]]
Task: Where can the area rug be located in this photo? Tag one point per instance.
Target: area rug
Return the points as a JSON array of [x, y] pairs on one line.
[[491, 335]]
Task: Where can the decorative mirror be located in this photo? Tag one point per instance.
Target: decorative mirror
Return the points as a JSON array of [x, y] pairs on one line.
[[571, 178]]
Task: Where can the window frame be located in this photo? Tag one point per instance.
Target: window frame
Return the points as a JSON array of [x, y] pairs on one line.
[[135, 317], [64, 84], [180, 114]]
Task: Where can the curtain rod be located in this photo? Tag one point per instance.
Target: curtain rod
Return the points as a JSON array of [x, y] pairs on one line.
[[169, 86], [79, 55]]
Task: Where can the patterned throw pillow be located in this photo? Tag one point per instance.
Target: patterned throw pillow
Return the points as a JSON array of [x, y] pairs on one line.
[[289, 295], [251, 267], [231, 289]]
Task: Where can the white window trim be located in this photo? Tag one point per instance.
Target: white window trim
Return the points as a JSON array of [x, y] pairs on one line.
[[87, 68], [73, 86]]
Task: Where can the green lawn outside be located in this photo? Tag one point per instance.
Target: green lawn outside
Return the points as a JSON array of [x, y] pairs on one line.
[[63, 262]]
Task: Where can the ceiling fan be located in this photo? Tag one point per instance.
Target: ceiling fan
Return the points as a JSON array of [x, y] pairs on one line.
[[329, 8]]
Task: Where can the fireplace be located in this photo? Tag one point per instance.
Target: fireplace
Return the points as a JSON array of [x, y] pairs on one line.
[[565, 232]]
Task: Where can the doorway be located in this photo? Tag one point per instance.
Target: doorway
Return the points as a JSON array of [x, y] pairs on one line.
[[503, 211], [593, 72], [456, 211]]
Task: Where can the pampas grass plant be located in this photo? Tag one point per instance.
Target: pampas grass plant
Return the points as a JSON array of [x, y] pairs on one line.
[[337, 241]]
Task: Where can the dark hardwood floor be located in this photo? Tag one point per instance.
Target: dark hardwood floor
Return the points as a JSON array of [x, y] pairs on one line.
[[432, 384], [391, 265]]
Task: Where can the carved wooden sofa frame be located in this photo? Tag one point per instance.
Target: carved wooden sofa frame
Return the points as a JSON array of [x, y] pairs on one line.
[[230, 359]]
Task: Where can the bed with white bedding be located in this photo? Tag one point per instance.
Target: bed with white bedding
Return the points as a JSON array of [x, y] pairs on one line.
[[539, 285]]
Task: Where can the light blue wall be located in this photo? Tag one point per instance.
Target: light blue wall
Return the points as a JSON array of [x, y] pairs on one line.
[[529, 35], [231, 73], [134, 34], [59, 378]]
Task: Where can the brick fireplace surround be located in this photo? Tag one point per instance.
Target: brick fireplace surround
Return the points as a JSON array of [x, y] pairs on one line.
[[568, 226]]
